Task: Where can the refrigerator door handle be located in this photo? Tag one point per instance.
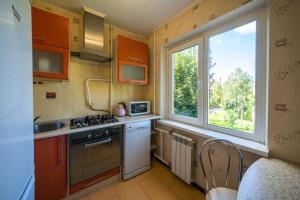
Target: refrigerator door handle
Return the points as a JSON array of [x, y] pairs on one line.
[[16, 13]]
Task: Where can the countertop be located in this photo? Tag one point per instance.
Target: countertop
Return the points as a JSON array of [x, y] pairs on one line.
[[67, 130]]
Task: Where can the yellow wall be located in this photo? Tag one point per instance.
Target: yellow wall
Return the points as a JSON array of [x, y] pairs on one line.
[[70, 95], [284, 80]]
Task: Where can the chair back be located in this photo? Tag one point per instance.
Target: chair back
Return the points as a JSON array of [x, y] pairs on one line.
[[229, 147]]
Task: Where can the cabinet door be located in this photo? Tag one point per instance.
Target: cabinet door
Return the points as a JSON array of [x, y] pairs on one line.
[[132, 50], [50, 62], [132, 72], [49, 29], [50, 156]]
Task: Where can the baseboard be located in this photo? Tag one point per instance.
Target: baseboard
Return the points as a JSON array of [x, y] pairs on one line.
[[198, 187]]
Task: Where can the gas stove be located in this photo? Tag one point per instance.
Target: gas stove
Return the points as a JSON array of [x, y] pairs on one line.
[[92, 120]]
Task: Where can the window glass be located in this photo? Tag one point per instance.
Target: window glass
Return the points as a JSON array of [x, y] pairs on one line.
[[231, 78], [185, 78]]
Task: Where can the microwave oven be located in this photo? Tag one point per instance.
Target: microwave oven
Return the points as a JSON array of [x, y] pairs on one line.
[[137, 107]]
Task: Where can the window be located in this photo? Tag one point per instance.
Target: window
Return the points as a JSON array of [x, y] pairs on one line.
[[218, 81], [231, 78], [186, 66]]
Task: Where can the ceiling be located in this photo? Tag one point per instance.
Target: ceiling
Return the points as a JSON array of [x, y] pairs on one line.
[[138, 16]]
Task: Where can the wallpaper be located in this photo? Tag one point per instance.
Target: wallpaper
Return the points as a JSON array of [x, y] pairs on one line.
[[284, 80]]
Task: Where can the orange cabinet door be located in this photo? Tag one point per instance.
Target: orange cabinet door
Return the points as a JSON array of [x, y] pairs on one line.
[[49, 29], [50, 158], [132, 50], [132, 72], [50, 62]]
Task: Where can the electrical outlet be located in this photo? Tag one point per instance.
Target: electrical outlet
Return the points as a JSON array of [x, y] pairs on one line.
[[50, 95]]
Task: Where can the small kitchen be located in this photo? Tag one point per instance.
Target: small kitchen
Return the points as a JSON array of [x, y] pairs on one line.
[[149, 100], [92, 106]]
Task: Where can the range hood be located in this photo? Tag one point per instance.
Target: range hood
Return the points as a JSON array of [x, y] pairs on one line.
[[93, 37]]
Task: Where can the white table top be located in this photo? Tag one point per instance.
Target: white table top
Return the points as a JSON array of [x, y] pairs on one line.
[[270, 179]]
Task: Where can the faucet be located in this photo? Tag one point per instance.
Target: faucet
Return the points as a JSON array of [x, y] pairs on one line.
[[36, 118]]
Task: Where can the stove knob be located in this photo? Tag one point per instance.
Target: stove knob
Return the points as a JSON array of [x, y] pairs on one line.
[[106, 132], [89, 135]]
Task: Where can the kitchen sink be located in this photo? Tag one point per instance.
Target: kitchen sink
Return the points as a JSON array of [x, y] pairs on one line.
[[51, 126]]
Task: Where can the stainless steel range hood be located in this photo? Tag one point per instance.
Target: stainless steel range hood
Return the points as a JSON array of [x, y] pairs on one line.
[[93, 37]]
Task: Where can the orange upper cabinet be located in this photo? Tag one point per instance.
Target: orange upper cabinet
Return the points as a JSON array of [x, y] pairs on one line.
[[49, 29], [50, 38], [132, 61]]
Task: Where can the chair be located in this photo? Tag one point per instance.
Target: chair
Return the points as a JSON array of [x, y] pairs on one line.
[[220, 193]]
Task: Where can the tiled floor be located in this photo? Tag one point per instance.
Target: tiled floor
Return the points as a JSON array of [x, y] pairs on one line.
[[156, 184]]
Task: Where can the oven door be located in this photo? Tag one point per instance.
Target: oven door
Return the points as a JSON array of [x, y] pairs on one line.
[[93, 158]]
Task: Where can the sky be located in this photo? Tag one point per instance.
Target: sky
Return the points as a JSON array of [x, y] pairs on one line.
[[233, 49]]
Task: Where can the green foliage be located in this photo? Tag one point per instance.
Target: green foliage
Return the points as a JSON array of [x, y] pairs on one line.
[[215, 94], [238, 94], [219, 119], [231, 103], [185, 82]]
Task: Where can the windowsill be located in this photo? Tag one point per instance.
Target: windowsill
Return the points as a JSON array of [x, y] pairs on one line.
[[247, 145]]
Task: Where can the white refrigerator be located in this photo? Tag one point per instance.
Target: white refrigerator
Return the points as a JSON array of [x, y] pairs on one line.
[[16, 101]]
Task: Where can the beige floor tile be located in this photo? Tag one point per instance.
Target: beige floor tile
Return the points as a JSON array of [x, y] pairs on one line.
[[169, 178], [168, 194], [184, 191], [200, 197], [116, 197], [84, 198], [122, 186], [153, 186], [156, 184], [143, 175], [135, 193], [104, 193]]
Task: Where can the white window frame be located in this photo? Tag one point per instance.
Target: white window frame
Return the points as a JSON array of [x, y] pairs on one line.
[[195, 121], [261, 78]]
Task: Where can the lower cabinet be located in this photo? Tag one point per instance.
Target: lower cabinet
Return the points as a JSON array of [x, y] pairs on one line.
[[50, 157]]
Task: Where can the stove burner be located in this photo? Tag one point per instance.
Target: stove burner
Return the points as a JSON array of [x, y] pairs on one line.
[[92, 120]]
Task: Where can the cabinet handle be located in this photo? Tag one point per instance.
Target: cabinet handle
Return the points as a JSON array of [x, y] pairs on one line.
[[62, 150], [39, 39], [16, 13], [132, 58]]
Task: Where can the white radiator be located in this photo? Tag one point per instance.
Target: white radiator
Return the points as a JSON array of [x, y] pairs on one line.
[[182, 156]]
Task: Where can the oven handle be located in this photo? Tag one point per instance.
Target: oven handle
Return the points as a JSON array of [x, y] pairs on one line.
[[88, 145]]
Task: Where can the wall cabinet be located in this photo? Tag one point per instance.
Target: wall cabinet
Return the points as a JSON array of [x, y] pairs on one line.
[[50, 38], [50, 158], [132, 61], [49, 29]]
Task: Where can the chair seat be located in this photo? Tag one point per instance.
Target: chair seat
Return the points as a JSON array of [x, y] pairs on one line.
[[221, 193]]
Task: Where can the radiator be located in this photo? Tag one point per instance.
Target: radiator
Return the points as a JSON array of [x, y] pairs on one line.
[[182, 156]]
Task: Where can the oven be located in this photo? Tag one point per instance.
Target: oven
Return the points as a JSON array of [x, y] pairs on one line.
[[94, 156]]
